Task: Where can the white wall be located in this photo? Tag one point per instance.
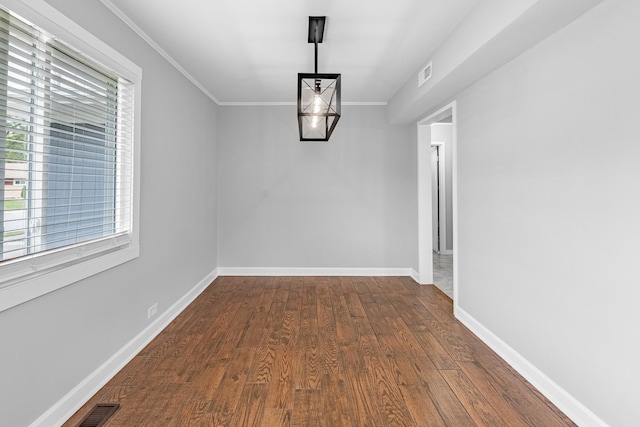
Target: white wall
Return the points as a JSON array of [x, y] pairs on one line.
[[50, 344], [348, 203], [549, 208]]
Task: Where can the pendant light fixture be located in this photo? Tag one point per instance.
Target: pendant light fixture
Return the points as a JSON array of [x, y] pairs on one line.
[[318, 94]]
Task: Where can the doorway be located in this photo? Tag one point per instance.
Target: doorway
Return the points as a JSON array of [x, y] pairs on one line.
[[437, 207], [441, 209], [436, 192]]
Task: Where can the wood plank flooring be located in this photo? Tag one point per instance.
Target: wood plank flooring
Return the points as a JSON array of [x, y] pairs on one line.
[[320, 351]]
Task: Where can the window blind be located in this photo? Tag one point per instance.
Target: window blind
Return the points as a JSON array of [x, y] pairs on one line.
[[66, 137]]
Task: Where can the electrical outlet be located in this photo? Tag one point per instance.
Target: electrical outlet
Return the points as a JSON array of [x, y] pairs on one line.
[[151, 311]]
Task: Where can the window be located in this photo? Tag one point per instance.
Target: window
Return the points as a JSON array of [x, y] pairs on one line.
[[67, 145]]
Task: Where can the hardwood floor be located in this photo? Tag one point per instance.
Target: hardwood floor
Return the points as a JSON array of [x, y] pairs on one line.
[[320, 351]]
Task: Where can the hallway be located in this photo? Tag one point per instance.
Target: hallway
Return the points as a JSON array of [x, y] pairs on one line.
[[443, 273]]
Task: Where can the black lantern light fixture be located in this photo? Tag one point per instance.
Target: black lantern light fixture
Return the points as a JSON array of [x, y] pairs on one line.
[[318, 94]]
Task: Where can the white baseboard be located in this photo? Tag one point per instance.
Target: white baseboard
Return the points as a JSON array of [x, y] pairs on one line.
[[62, 410], [414, 275], [295, 271], [424, 279], [575, 410]]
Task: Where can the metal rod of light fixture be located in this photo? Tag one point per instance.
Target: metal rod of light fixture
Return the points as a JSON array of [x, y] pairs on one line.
[[316, 44]]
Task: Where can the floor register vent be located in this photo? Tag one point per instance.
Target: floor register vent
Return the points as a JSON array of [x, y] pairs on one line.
[[99, 415]]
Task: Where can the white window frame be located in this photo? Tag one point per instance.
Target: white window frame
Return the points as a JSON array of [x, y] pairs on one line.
[[83, 260]]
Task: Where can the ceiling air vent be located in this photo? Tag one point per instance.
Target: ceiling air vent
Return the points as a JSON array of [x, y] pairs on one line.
[[424, 75]]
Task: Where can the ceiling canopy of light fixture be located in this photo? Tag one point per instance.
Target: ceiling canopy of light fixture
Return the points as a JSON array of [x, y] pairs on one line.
[[318, 94]]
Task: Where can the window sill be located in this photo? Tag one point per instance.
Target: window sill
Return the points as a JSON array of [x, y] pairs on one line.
[[34, 287]]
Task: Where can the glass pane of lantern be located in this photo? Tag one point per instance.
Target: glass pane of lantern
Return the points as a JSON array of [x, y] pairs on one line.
[[319, 105], [318, 96], [314, 127]]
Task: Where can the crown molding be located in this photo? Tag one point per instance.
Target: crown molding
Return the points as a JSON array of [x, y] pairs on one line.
[[282, 104], [254, 104], [124, 18], [366, 104]]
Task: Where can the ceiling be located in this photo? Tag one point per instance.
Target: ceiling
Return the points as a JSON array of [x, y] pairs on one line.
[[250, 51]]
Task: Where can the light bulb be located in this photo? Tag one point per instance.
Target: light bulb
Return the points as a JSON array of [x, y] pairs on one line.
[[317, 103]]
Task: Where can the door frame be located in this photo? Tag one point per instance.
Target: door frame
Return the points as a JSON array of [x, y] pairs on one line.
[[425, 242]]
